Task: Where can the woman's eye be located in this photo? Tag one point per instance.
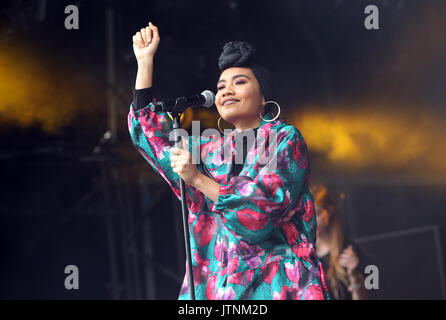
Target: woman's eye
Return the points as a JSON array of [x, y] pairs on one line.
[[238, 82]]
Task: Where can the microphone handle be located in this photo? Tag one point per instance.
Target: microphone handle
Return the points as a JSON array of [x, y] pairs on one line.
[[180, 105], [169, 106]]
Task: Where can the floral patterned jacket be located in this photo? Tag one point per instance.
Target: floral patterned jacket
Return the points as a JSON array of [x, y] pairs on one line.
[[258, 240]]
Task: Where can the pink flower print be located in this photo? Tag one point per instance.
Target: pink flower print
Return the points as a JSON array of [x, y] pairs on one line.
[[201, 271], [287, 293], [308, 211], [225, 294], [197, 202], [220, 250], [242, 278], [292, 271], [324, 279], [269, 271], [233, 261], [251, 254], [252, 219], [273, 182], [205, 229], [291, 233], [303, 250], [299, 153], [314, 292], [210, 287]]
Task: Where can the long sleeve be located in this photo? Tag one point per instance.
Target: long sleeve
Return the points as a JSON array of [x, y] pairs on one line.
[[254, 206], [150, 135], [142, 97]]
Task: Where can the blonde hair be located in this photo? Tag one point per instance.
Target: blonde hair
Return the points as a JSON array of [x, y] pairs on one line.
[[335, 273]]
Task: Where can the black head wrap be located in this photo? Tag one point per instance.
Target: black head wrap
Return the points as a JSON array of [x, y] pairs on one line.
[[243, 54]]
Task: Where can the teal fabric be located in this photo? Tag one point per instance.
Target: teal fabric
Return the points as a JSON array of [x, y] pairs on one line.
[[257, 241]]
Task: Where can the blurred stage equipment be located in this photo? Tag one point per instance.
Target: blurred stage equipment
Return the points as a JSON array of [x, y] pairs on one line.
[[410, 263], [41, 10]]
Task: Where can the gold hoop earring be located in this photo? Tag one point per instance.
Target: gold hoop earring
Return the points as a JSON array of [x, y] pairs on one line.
[[278, 111], [218, 125]]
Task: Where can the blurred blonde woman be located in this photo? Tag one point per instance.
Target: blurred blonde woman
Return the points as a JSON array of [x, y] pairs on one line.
[[338, 255]]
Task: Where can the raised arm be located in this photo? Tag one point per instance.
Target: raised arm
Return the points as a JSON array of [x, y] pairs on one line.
[[145, 45], [150, 130]]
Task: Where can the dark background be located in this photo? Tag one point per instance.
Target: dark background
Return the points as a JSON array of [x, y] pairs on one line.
[[370, 104]]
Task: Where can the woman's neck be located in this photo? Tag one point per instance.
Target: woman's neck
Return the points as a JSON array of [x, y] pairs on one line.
[[244, 125]]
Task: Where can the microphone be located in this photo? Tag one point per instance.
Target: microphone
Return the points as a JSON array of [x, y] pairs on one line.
[[204, 99]]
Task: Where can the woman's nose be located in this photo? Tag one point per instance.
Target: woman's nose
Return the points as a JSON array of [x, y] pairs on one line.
[[227, 90]]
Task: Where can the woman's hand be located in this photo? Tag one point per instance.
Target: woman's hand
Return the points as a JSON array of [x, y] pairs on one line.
[[145, 42], [183, 164], [349, 260]]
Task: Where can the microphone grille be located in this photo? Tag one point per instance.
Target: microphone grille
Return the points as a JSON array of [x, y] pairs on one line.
[[210, 98]]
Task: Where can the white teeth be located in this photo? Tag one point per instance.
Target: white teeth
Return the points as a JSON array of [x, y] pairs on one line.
[[229, 102]]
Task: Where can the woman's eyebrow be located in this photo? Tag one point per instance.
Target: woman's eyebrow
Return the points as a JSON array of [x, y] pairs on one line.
[[234, 77]]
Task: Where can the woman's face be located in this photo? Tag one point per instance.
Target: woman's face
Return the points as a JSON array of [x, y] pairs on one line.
[[239, 99]]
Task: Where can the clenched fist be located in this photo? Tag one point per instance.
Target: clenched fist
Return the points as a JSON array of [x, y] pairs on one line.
[[145, 42], [183, 164]]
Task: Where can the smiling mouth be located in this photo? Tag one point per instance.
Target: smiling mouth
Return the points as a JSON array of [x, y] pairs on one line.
[[230, 102]]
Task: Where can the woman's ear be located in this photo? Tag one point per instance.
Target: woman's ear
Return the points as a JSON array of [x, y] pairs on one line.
[[263, 108]]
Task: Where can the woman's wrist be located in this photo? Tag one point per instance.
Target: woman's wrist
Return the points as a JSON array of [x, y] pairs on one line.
[[354, 286], [355, 279], [145, 61], [197, 182], [145, 73], [206, 185]]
